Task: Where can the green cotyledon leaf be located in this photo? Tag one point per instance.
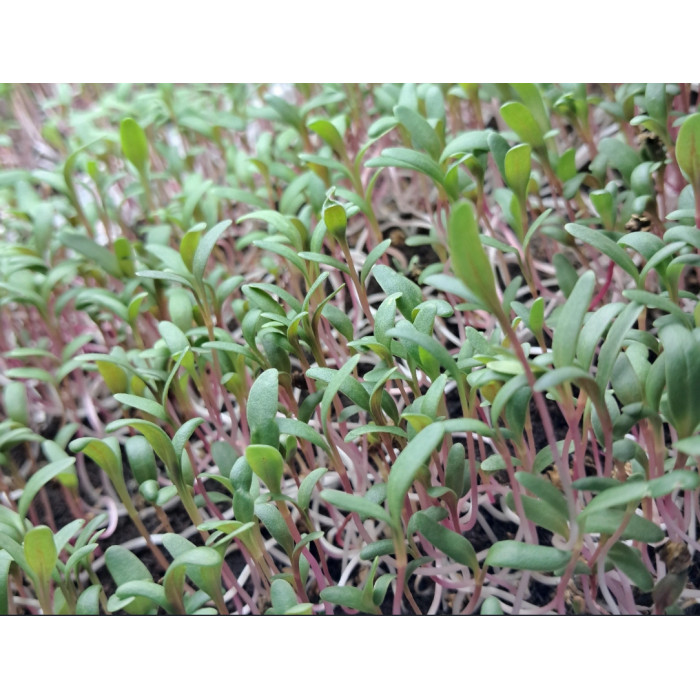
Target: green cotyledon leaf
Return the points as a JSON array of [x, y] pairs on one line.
[[469, 260], [407, 465], [688, 149], [682, 351], [134, 143]]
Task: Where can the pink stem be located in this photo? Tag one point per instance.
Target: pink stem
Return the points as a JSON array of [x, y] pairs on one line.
[[604, 289]]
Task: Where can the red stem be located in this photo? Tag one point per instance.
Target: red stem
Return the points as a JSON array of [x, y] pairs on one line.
[[604, 289]]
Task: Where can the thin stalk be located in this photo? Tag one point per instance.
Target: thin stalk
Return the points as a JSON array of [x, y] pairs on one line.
[[359, 289]]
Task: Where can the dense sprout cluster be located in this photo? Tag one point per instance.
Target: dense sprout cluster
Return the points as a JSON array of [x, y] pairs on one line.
[[321, 349]]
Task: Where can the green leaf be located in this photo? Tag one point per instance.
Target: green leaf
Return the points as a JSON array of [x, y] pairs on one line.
[[224, 456], [570, 320], [89, 601], [204, 558], [379, 548], [30, 373], [5, 563], [374, 429], [531, 95], [134, 143], [164, 275], [467, 425], [601, 242], [188, 245], [620, 156], [544, 489], [339, 320], [521, 121], [92, 251], [306, 487], [272, 289], [356, 504], [499, 147], [146, 594], [677, 479], [66, 533], [348, 597], [180, 309], [613, 343], [381, 586], [688, 149], [336, 220], [372, 258], [323, 259], [411, 160], [274, 522], [205, 248], [406, 331], [469, 260], [630, 492], [556, 377], [14, 397], [541, 514], [329, 134], [385, 319], [517, 167], [38, 480], [407, 465], [536, 320], [608, 521], [156, 436], [15, 550], [101, 298], [656, 101], [682, 351], [142, 404], [451, 543], [303, 431], [605, 206], [334, 386], [79, 556], [261, 408], [329, 163], [100, 453], [468, 142], [660, 260], [282, 596], [40, 552], [183, 434], [565, 272], [645, 243], [684, 234], [493, 463], [593, 330], [289, 114], [531, 557], [629, 561], [457, 470], [423, 135], [690, 446], [267, 464], [174, 338], [392, 282], [283, 251], [230, 346], [227, 526], [491, 606]]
